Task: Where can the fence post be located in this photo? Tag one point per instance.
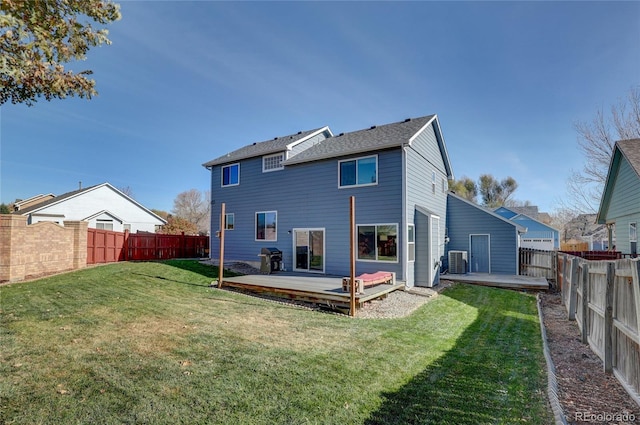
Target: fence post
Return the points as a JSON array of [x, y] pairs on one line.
[[573, 291], [585, 301], [125, 245], [635, 281], [608, 318]]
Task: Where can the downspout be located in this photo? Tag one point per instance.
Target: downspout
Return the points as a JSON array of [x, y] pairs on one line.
[[405, 248]]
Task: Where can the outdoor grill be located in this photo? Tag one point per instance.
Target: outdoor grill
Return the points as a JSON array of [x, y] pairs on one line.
[[270, 259]]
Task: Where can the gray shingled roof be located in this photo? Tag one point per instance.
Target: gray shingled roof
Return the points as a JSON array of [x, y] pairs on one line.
[[376, 137], [54, 200], [631, 151], [277, 144]]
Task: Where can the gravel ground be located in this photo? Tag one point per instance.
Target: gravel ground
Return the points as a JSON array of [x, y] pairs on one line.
[[586, 393]]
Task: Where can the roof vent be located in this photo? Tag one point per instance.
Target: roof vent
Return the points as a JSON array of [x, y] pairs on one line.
[[341, 134], [275, 138], [254, 143], [299, 132], [407, 120], [372, 127]]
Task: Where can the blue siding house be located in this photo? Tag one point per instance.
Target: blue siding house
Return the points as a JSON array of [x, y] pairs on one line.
[[292, 193], [489, 240], [620, 202], [538, 234]]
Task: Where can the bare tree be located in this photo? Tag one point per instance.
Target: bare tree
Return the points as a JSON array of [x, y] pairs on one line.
[[596, 140], [127, 191], [193, 206]]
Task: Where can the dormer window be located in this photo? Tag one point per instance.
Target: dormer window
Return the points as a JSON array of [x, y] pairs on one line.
[[272, 162]]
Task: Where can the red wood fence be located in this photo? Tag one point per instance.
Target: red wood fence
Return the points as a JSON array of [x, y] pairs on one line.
[[105, 246]]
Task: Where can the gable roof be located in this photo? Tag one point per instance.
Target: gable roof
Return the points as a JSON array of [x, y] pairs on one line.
[[628, 149], [69, 195], [275, 145], [361, 141], [519, 227]]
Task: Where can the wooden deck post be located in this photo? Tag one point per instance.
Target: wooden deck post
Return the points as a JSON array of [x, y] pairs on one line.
[[221, 260], [352, 263]]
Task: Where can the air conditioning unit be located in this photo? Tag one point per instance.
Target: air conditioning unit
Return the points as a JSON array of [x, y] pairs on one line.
[[457, 262]]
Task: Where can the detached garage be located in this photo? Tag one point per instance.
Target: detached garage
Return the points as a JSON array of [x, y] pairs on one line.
[[489, 241]]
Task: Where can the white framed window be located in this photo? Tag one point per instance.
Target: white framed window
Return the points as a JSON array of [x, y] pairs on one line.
[[378, 242], [267, 226], [633, 232], [444, 186], [229, 221], [411, 242], [104, 224], [272, 162], [358, 172], [126, 227], [231, 175], [433, 182]]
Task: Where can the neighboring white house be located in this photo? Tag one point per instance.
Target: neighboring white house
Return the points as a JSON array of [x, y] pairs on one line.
[[103, 206]]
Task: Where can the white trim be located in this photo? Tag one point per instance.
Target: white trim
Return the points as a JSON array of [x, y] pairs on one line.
[[273, 155], [376, 260], [422, 129], [92, 216], [255, 226], [356, 159], [290, 146], [324, 249], [222, 175], [226, 222], [409, 260]]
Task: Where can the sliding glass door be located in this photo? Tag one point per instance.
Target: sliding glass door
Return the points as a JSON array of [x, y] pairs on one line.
[[309, 250]]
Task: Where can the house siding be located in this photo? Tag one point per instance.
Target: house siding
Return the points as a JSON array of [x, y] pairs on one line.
[[464, 220], [535, 229], [89, 203], [306, 195], [307, 144], [424, 157], [624, 206]]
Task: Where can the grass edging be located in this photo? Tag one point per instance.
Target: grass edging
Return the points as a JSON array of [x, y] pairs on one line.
[[552, 382]]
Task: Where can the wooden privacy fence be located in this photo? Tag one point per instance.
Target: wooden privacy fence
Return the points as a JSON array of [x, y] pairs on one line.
[[538, 263], [105, 246], [604, 299]]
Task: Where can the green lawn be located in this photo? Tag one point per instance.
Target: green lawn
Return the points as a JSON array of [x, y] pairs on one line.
[[152, 343]]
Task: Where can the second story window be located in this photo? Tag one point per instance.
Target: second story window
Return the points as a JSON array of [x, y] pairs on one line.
[[272, 162], [231, 175], [358, 172]]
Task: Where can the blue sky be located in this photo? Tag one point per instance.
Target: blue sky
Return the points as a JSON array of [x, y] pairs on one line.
[[186, 82]]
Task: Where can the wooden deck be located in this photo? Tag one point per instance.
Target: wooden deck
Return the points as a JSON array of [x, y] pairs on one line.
[[317, 289], [500, 281]]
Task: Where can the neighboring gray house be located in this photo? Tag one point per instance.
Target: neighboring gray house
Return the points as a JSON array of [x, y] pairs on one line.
[[292, 193], [620, 203], [490, 242]]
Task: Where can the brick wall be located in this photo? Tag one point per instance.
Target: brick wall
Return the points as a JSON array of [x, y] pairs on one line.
[[28, 251]]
